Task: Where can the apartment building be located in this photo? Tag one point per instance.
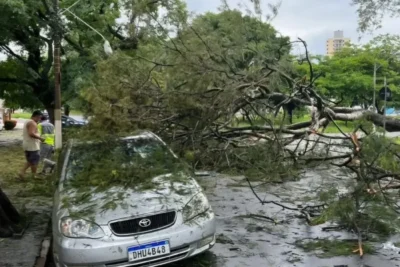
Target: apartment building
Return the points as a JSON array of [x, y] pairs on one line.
[[336, 43]]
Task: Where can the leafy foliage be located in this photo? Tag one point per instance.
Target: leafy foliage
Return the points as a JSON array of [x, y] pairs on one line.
[[132, 163], [18, 94], [371, 12], [29, 42], [348, 75], [368, 205], [195, 81], [330, 248]]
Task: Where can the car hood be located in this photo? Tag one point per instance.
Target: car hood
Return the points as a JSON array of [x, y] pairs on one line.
[[119, 202]]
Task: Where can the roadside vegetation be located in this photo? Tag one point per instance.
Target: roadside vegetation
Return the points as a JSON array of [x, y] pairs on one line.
[[11, 161]]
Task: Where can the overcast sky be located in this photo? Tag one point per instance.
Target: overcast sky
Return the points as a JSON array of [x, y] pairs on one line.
[[312, 20]]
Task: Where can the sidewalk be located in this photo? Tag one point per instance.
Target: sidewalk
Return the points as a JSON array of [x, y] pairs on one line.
[[20, 123], [31, 198]]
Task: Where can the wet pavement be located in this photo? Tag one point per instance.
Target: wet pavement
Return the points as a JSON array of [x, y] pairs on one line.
[[24, 252], [246, 240]]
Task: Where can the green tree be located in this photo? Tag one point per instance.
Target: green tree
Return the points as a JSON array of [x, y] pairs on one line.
[[371, 12], [196, 80], [17, 94], [348, 75], [27, 38], [27, 29]]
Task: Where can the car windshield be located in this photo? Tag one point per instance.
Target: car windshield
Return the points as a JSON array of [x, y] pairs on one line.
[[123, 162]]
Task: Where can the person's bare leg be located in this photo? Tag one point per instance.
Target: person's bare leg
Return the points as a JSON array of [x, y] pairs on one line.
[[34, 169], [23, 171]]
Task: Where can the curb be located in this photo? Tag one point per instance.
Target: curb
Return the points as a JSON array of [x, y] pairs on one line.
[[42, 259]]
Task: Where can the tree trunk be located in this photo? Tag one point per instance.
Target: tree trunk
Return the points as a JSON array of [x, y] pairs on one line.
[[9, 216], [391, 124], [50, 110], [66, 110]]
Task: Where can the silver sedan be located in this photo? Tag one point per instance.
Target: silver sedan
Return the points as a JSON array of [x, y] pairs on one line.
[[148, 227]]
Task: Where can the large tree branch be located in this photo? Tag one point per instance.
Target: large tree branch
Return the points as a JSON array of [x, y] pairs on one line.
[[116, 33], [10, 52], [391, 125], [17, 81], [49, 63], [76, 46]]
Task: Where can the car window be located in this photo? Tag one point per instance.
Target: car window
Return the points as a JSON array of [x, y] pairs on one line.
[[67, 119], [133, 152]]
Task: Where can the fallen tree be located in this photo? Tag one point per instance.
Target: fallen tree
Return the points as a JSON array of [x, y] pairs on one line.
[[190, 89]]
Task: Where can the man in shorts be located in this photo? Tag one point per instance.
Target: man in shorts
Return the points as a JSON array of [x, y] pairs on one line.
[[31, 143]]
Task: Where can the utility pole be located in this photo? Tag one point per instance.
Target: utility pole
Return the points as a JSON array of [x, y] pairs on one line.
[[384, 108], [374, 97], [57, 77]]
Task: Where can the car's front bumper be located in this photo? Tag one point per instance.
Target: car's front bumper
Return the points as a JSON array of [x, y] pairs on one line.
[[186, 240]]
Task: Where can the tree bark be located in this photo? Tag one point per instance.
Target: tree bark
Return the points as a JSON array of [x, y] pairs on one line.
[[66, 110], [392, 125], [337, 113], [50, 111]]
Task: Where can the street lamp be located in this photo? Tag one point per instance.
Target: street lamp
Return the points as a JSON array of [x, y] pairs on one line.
[[57, 65], [376, 67], [106, 46]]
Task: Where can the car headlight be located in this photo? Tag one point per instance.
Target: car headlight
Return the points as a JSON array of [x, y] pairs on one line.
[[197, 206], [79, 228]]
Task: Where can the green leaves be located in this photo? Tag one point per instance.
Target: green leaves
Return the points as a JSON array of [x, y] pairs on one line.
[[349, 73], [371, 12], [117, 163]]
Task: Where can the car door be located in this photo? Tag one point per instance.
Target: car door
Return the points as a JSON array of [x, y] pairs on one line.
[[60, 175]]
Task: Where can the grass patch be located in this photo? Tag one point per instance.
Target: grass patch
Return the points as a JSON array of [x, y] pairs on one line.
[[21, 115], [345, 127], [324, 248], [396, 140], [12, 159], [75, 112]]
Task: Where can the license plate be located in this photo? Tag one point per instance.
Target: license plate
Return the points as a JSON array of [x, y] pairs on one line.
[[147, 251]]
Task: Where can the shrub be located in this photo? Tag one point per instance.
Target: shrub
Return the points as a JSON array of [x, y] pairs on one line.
[[10, 124]]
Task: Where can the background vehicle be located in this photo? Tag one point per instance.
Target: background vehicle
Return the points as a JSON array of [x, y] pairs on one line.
[[68, 122], [156, 215]]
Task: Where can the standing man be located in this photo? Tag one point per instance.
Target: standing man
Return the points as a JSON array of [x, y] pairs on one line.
[[46, 131], [31, 143]]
